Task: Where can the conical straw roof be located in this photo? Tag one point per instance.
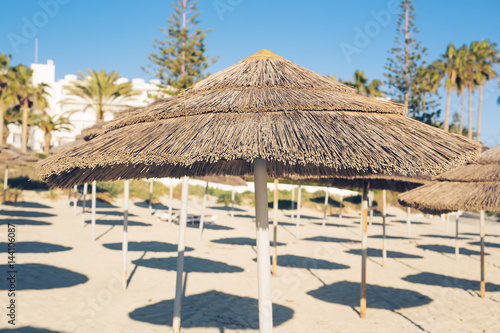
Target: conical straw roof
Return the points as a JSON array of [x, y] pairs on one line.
[[475, 186], [9, 152], [263, 106]]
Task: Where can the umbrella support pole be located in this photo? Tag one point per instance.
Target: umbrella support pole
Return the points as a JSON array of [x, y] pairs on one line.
[[83, 203], [69, 197], [171, 202], [340, 204], [150, 212], [364, 239], [232, 202], [384, 249], [93, 208], [5, 181], [408, 219], [262, 226], [75, 201], [202, 218], [176, 323], [370, 202], [326, 206], [299, 197], [125, 232], [457, 248], [275, 227], [447, 224], [293, 202], [481, 233]]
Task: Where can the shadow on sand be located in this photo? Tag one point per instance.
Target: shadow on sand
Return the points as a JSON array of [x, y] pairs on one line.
[[191, 264], [412, 222], [443, 237], [25, 204], [211, 309], [331, 240], [227, 208], [155, 206], [293, 261], [35, 247], [196, 225], [40, 276], [23, 222], [22, 213], [432, 279], [149, 246], [334, 225], [27, 329], [377, 297], [449, 249], [119, 222], [486, 244], [390, 254], [390, 237], [239, 241]]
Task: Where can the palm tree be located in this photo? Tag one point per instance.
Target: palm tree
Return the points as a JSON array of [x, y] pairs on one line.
[[362, 86], [5, 71], [428, 81], [49, 124], [448, 60], [461, 80], [100, 92], [469, 82], [486, 57], [27, 96]]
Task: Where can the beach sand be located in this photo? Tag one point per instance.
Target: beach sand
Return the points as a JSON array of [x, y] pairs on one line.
[[67, 283]]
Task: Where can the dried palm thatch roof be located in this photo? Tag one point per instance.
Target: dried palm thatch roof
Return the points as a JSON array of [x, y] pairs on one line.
[[13, 151], [225, 180], [475, 186], [262, 107]]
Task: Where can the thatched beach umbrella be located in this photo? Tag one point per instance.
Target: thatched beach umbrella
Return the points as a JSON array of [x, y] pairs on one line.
[[475, 186], [224, 180], [12, 156], [267, 116]]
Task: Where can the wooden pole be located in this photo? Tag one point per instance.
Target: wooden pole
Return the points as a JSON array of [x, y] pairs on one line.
[[176, 323], [340, 209], [370, 199], [457, 248], [150, 212], [94, 183], [299, 197], [125, 232], [384, 250], [262, 226], [293, 202], [171, 202], [408, 219], [364, 239], [481, 233], [75, 201], [5, 181], [275, 225], [232, 202], [326, 206], [202, 218], [83, 203]]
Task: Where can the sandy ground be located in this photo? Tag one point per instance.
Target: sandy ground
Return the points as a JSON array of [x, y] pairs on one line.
[[67, 283]]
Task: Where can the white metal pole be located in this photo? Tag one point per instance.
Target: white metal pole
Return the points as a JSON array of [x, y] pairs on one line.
[[275, 227], [125, 232], [299, 196], [481, 233], [232, 202], [262, 226], [5, 181], [326, 206], [364, 240], [202, 218], [171, 201], [447, 224], [384, 250], [83, 203], [150, 212], [75, 201], [69, 197], [176, 324], [93, 208], [370, 198], [408, 219], [293, 202], [457, 248], [341, 200]]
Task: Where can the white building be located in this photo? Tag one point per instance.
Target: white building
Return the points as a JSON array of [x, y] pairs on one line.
[[45, 73]]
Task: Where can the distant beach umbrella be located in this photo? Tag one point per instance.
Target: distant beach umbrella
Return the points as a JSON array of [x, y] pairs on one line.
[[264, 116], [475, 186], [11, 156]]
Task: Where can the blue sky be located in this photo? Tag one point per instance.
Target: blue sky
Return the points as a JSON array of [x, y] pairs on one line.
[[118, 35]]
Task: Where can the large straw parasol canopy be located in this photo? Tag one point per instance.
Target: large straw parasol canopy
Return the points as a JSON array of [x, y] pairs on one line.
[[262, 107], [475, 186]]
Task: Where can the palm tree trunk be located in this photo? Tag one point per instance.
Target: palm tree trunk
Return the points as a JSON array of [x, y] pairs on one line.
[[1, 123], [24, 133], [447, 113], [461, 126], [6, 133], [470, 114], [47, 137], [423, 105], [479, 112]]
